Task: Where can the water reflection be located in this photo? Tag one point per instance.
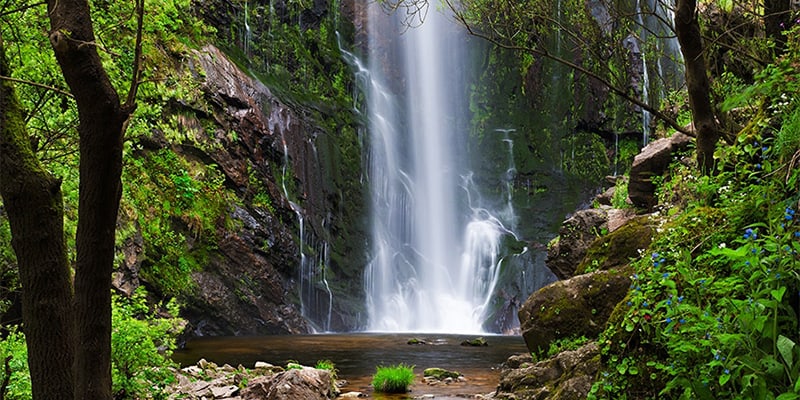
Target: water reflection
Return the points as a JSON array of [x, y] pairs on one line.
[[357, 355]]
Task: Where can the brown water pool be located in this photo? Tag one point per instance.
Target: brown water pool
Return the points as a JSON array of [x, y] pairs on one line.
[[356, 355]]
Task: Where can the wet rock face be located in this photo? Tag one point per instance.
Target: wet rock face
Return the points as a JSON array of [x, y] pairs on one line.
[[568, 375], [574, 238], [579, 306]]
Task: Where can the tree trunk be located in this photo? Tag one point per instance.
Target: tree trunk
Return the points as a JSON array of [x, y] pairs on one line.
[[687, 29], [777, 17], [102, 122], [34, 204]]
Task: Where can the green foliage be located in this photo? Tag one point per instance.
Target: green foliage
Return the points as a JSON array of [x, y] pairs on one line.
[[560, 345], [142, 342], [620, 198], [710, 312], [393, 379], [177, 205], [584, 155], [19, 385]]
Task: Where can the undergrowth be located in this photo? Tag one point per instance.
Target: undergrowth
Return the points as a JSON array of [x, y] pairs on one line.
[[713, 308]]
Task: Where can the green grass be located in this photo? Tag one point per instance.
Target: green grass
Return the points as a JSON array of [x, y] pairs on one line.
[[394, 379]]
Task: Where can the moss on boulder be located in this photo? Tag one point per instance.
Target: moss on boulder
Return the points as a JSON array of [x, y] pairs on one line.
[[619, 247], [579, 306]]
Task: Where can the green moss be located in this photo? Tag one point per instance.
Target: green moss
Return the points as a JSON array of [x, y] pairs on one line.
[[619, 247]]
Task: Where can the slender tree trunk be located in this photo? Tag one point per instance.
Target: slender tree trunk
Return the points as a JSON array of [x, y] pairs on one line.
[[687, 29], [101, 127], [34, 204], [777, 17]]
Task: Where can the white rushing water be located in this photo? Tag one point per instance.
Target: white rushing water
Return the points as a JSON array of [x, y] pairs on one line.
[[433, 259]]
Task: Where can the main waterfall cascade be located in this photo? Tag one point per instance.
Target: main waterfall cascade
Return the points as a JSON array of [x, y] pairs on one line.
[[434, 259]]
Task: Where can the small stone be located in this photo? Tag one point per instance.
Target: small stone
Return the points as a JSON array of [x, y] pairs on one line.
[[352, 395]]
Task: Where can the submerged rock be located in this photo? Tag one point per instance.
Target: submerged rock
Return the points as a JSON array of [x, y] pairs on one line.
[[477, 342], [440, 374]]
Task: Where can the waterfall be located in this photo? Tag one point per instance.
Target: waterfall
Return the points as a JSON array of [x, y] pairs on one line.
[[433, 258], [313, 252]]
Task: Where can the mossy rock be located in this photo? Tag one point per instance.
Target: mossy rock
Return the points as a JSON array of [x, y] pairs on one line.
[[618, 248], [579, 306], [416, 341], [477, 342], [440, 374]]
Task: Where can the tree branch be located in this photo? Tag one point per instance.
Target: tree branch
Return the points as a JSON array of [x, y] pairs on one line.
[[130, 102], [576, 67], [39, 85]]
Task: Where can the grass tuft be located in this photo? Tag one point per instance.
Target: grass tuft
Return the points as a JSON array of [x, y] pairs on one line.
[[393, 379]]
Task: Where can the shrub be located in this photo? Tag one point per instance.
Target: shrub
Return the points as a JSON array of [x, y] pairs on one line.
[[19, 384], [141, 346], [394, 379]]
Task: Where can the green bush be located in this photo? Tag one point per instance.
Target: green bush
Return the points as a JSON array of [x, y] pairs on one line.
[[19, 384], [141, 345], [394, 379]]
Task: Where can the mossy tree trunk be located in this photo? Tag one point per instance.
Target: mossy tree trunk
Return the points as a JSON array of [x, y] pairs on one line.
[[78, 328], [102, 121], [33, 202], [687, 29]]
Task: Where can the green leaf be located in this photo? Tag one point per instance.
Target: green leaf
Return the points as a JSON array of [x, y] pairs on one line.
[[786, 348], [788, 396], [724, 378], [777, 294]]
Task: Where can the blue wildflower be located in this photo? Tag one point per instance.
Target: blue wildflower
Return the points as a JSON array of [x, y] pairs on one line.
[[727, 371], [665, 275], [644, 304], [797, 234], [758, 166], [669, 302], [750, 234], [682, 321], [680, 299], [669, 319]]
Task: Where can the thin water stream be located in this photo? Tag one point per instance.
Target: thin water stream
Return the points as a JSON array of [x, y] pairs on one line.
[[356, 356]]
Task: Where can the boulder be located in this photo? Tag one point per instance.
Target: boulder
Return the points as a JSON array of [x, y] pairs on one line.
[[617, 248], [574, 237], [652, 161], [579, 306], [440, 374], [568, 375], [303, 383]]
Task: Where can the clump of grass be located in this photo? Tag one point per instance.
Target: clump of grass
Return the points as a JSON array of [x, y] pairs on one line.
[[393, 379]]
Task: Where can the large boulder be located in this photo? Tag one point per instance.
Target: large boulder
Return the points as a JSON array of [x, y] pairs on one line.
[[574, 238], [306, 383], [618, 247], [569, 375], [652, 161], [579, 306]]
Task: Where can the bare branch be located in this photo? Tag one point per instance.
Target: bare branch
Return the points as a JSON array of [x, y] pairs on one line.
[[130, 102], [43, 86], [22, 8]]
